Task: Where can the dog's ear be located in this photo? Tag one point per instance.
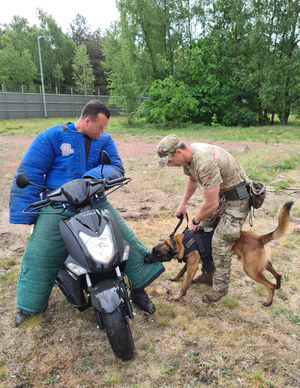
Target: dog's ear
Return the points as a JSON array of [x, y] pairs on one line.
[[171, 250], [178, 239], [168, 243]]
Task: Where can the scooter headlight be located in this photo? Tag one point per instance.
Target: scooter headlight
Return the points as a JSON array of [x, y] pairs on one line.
[[100, 248], [76, 269]]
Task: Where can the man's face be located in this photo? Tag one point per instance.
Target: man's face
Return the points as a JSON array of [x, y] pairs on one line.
[[95, 127], [175, 159]]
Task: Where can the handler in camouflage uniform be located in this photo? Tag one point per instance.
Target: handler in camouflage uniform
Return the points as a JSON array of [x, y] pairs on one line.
[[223, 181]]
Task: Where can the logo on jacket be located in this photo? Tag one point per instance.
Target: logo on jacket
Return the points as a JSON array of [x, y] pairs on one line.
[[66, 149]]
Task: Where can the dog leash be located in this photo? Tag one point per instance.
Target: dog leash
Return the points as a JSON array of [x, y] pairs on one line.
[[179, 223]]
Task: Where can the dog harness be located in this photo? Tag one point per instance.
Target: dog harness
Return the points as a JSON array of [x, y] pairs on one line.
[[195, 241], [199, 241]]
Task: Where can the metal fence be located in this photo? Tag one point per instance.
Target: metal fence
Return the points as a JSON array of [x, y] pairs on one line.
[[30, 105]]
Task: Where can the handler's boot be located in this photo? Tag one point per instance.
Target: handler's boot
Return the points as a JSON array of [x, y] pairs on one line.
[[142, 299], [204, 278], [22, 315], [213, 296]]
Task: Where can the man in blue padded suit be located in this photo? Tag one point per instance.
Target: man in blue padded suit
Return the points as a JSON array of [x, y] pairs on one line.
[[56, 156]]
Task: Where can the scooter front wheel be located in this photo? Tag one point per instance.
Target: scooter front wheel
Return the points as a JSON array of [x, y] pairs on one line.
[[119, 334]]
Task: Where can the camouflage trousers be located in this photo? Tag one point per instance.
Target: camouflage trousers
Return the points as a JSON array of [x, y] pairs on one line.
[[225, 235]]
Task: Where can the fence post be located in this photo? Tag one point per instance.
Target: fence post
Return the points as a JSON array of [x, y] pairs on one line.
[[57, 99], [24, 103], [5, 106], [73, 102]]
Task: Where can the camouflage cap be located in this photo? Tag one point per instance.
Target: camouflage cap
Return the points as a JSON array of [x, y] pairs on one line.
[[168, 145]]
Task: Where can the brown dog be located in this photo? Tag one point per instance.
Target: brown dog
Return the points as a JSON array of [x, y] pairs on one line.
[[251, 248]]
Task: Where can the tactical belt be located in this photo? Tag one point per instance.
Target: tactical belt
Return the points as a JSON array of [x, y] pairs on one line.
[[239, 191]]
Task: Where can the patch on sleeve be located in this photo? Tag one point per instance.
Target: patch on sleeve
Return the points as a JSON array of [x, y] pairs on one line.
[[66, 149]]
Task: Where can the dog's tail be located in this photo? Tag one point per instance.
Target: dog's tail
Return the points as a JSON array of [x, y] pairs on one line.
[[283, 225]]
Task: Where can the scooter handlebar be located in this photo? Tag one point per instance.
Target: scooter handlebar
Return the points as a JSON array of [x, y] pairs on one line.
[[63, 195], [116, 181], [40, 203]]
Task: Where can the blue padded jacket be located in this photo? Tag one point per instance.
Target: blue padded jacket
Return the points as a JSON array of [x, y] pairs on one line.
[[56, 156]]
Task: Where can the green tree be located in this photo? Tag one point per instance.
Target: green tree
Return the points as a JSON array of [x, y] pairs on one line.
[[95, 51], [170, 101], [81, 34], [202, 91], [58, 76], [263, 39], [57, 48], [288, 26], [16, 65], [122, 71], [80, 30], [147, 44], [82, 71], [161, 31]]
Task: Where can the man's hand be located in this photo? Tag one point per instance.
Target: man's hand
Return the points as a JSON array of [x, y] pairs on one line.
[[194, 227], [181, 210]]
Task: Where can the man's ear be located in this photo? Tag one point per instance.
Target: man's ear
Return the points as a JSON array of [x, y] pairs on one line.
[[180, 154], [87, 120]]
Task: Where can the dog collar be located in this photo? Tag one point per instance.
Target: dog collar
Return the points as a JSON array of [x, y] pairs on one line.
[[173, 243]]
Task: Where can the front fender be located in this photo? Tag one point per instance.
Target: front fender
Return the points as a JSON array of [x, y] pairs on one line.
[[107, 295]]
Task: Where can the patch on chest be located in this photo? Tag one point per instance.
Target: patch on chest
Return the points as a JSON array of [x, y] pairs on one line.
[[190, 243], [66, 149]]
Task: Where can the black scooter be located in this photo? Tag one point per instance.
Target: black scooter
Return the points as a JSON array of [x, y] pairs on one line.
[[92, 275]]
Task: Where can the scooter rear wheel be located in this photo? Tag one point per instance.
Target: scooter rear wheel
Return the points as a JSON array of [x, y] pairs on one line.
[[119, 334]]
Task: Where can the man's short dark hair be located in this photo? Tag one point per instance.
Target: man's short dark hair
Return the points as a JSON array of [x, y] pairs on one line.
[[93, 108]]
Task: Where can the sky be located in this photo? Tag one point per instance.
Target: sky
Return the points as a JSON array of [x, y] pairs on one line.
[[98, 13]]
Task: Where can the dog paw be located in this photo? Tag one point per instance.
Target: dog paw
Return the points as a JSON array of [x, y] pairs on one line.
[[175, 298], [265, 304], [173, 279]]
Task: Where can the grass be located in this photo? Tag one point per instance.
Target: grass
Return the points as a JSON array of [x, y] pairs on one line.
[[234, 343], [257, 165], [275, 134]]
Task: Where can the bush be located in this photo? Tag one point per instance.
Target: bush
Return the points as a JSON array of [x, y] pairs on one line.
[[239, 117], [170, 101]]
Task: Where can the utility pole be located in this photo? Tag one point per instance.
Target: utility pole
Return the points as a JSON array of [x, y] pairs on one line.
[[42, 78]]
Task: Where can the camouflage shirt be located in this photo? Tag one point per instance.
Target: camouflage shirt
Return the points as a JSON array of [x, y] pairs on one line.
[[212, 165]]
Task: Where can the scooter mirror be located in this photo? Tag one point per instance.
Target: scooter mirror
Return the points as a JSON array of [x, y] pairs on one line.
[[105, 158], [22, 181]]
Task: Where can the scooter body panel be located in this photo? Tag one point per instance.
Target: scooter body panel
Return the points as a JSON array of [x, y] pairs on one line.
[[107, 295], [72, 287], [92, 223]]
